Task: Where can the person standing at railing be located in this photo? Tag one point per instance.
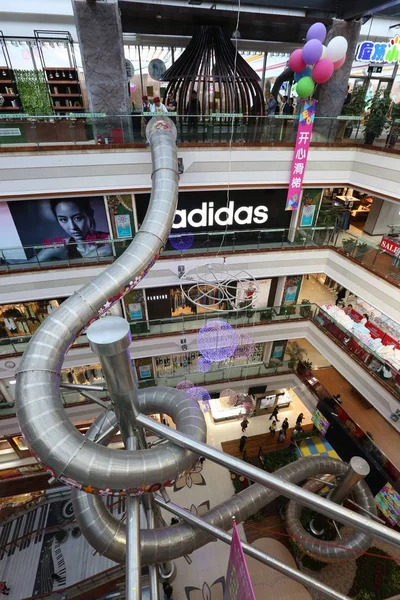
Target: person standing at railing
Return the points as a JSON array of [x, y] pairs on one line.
[[158, 107], [193, 110], [146, 109], [76, 217]]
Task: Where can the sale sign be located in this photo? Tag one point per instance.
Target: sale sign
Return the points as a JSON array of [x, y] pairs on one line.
[[390, 246], [238, 584], [303, 140]]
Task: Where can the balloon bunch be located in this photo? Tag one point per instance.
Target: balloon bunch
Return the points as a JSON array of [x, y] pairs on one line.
[[315, 63]]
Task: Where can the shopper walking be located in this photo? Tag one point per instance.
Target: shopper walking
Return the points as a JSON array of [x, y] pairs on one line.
[[244, 424], [242, 443], [272, 428], [282, 436], [341, 295], [274, 414], [300, 419], [285, 425]]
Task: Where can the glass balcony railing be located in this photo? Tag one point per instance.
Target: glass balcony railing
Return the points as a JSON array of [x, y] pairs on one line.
[[84, 128], [367, 357], [362, 251]]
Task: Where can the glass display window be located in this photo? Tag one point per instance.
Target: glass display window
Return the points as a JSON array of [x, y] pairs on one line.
[[23, 318]]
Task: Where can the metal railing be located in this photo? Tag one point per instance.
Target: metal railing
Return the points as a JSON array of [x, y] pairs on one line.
[[371, 256], [236, 369], [81, 128]]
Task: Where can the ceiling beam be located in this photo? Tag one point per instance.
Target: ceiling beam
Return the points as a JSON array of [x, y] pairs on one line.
[[361, 8]]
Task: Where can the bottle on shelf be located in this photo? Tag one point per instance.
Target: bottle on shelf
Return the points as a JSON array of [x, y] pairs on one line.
[[51, 76], [70, 75], [55, 90], [63, 75], [57, 74], [68, 89], [4, 73]]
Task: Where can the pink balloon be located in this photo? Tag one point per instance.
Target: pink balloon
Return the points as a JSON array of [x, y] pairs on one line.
[[296, 62], [339, 63], [322, 70]]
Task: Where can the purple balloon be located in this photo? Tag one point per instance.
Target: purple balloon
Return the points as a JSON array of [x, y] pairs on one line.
[[317, 32], [312, 52]]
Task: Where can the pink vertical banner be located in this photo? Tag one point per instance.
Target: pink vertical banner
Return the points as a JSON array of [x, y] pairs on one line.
[[303, 140], [238, 584]]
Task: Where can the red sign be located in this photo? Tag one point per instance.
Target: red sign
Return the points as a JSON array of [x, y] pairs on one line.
[[356, 316], [390, 246], [374, 330], [389, 341]]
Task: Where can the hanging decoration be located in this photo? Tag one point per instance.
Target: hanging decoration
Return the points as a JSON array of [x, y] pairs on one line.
[[247, 402], [313, 64], [219, 287], [185, 385], [230, 395], [182, 241], [198, 393], [217, 340], [203, 365], [246, 347]]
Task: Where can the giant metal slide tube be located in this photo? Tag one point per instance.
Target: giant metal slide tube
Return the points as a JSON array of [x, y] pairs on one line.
[[76, 458]]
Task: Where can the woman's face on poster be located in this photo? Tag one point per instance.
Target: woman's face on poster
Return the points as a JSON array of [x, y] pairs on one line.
[[75, 222]]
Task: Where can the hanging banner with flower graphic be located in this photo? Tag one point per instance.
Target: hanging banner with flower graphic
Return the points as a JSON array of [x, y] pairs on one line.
[[238, 584], [303, 140]]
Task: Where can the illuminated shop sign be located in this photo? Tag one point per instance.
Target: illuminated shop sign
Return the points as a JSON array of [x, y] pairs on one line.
[[387, 52]]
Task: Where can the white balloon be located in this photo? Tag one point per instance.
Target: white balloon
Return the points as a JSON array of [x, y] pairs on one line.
[[337, 48], [324, 51]]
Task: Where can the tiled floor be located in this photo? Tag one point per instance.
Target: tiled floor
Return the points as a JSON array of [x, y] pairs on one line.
[[316, 447], [314, 291]]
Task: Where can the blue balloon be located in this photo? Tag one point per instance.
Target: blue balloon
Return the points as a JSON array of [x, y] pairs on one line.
[[306, 73]]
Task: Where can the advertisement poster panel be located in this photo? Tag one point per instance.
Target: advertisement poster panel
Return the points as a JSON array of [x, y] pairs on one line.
[[54, 229]]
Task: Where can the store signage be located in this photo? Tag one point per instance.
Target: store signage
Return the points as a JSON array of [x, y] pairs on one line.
[[375, 332], [211, 211], [13, 131], [206, 216], [123, 226], [307, 215], [238, 584], [377, 52], [390, 246], [299, 163]]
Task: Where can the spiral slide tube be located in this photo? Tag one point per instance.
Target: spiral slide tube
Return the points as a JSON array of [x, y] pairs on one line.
[[81, 462], [107, 535]]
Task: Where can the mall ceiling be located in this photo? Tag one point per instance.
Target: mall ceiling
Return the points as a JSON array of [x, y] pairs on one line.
[[269, 21]]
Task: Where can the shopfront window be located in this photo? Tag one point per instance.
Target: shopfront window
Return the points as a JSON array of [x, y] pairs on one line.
[[23, 318]]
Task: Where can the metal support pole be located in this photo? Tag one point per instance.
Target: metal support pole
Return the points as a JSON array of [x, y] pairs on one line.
[[270, 561], [358, 469], [153, 569], [85, 388], [132, 563], [313, 501], [110, 339], [95, 399]]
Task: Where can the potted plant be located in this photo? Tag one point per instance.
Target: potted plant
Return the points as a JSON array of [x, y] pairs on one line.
[[296, 353], [393, 134], [376, 118], [305, 308], [361, 249], [266, 315], [348, 245], [354, 108]]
